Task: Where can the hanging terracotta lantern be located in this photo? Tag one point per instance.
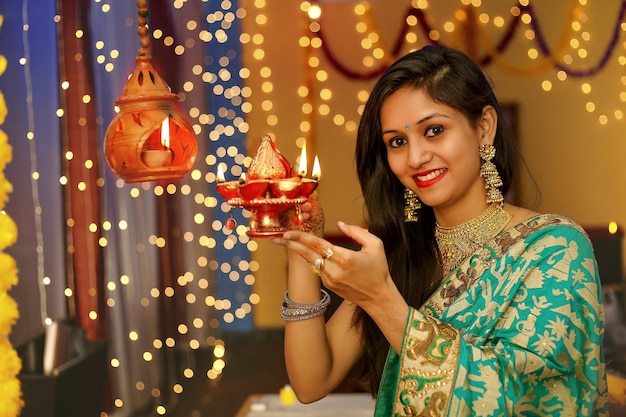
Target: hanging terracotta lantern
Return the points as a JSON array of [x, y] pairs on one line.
[[150, 139]]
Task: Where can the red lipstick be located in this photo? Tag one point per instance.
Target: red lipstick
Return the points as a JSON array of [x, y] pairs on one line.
[[431, 181]]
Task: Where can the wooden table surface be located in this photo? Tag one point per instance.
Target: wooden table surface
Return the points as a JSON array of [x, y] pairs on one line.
[[333, 405]]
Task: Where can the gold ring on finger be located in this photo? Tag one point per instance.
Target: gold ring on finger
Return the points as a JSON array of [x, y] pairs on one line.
[[319, 264]]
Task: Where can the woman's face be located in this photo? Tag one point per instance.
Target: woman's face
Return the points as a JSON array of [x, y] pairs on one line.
[[433, 149]]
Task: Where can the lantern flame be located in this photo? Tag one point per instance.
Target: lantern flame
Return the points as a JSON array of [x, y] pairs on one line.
[[317, 170], [165, 133], [302, 166]]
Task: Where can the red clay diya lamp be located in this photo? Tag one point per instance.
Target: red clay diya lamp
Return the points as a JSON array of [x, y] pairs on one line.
[[269, 188]]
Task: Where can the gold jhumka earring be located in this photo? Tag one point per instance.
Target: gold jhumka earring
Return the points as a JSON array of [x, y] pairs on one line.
[[412, 206], [489, 172]]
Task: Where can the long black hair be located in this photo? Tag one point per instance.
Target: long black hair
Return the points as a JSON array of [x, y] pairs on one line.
[[449, 77]]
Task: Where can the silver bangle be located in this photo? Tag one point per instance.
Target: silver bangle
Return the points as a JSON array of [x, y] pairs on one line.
[[292, 311]]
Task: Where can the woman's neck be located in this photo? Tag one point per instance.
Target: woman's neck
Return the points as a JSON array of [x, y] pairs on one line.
[[458, 214]]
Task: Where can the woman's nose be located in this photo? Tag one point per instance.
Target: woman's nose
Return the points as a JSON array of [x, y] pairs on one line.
[[418, 154]]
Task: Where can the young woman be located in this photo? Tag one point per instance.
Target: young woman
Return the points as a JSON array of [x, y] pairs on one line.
[[460, 303]]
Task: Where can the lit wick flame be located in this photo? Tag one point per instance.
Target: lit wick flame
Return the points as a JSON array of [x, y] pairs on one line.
[[243, 178], [302, 166], [220, 173], [165, 133], [317, 171]]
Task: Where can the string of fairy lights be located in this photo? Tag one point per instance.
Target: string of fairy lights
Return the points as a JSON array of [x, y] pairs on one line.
[[568, 59], [215, 234], [317, 93], [42, 279]]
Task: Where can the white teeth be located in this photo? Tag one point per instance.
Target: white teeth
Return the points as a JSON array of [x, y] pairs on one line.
[[430, 176]]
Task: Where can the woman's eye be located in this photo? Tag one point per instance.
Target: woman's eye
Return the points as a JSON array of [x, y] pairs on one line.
[[433, 131], [397, 142]]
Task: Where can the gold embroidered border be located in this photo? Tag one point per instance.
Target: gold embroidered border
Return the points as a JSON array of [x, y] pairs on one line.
[[472, 268], [428, 365]]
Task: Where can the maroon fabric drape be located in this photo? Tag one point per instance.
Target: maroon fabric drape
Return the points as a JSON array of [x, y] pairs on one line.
[[169, 213], [79, 135], [469, 33]]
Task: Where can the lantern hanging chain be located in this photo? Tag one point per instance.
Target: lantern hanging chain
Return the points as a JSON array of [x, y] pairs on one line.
[[34, 178], [142, 30]]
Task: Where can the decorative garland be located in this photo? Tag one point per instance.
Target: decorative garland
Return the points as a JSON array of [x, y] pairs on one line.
[[543, 46], [495, 53], [11, 402]]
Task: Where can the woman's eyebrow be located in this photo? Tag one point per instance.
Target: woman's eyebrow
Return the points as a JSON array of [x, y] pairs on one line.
[[422, 120]]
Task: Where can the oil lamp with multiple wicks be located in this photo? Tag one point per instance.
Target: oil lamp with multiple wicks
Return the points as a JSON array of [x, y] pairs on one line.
[[269, 188]]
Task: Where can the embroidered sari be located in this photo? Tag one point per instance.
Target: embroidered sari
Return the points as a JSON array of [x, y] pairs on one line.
[[516, 329]]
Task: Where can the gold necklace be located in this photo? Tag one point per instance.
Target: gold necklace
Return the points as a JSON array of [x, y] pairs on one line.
[[458, 242]]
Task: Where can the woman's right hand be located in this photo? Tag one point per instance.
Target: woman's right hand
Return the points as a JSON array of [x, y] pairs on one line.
[[318, 355]]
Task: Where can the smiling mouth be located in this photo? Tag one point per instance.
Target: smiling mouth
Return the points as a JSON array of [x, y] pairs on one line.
[[431, 175]]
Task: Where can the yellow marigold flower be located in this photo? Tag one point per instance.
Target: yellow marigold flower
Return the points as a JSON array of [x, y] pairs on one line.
[[8, 314], [3, 108], [4, 139], [11, 363], [5, 189], [10, 389], [3, 64], [6, 151], [12, 402], [8, 231], [8, 272]]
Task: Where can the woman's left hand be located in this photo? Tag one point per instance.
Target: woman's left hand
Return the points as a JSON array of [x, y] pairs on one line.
[[357, 276]]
